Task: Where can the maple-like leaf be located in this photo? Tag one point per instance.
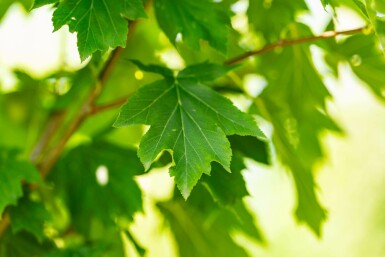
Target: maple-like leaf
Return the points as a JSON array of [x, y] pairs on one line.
[[189, 119], [12, 173], [365, 57], [298, 123], [99, 24], [96, 180], [191, 20], [29, 216], [203, 228]]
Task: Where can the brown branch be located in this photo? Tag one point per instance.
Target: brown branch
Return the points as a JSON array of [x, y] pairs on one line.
[[289, 42], [114, 104]]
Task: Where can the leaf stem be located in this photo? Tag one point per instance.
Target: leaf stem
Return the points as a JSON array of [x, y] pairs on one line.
[[289, 42]]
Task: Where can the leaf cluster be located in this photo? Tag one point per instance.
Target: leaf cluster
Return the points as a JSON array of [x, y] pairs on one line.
[[71, 155]]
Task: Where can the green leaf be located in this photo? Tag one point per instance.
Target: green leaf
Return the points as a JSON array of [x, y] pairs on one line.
[[96, 250], [23, 245], [206, 71], [189, 119], [29, 216], [40, 3], [202, 228], [250, 147], [271, 18], [294, 102], [12, 173], [139, 249], [376, 13], [190, 19], [99, 24], [325, 3], [5, 4], [161, 70], [97, 181], [227, 188], [362, 7], [365, 58]]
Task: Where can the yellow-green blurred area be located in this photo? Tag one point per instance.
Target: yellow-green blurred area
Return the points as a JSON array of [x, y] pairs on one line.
[[351, 179]]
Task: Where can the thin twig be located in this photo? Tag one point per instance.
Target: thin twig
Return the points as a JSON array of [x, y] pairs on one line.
[[289, 42], [108, 106]]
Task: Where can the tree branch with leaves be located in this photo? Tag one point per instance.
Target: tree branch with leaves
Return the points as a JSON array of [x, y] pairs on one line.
[[194, 130]]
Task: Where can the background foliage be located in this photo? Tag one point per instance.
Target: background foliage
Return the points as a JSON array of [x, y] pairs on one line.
[[74, 150]]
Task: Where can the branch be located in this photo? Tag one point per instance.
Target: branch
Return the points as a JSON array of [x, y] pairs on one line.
[[281, 43], [46, 165], [114, 104], [50, 159], [289, 42]]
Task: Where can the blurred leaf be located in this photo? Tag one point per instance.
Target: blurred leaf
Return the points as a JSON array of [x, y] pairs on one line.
[[325, 3], [80, 84], [40, 3], [190, 19], [202, 228], [5, 4], [250, 147], [12, 173], [29, 216], [227, 188], [205, 71], [96, 181], [23, 245], [271, 18], [139, 249], [362, 7], [365, 58], [294, 102], [161, 70], [99, 24], [96, 250], [376, 12], [184, 115]]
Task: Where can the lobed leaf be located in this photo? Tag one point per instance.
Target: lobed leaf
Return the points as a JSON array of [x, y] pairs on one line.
[[263, 15], [189, 19], [202, 228], [29, 216], [189, 119], [12, 173], [295, 102], [99, 24], [364, 57], [97, 180]]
